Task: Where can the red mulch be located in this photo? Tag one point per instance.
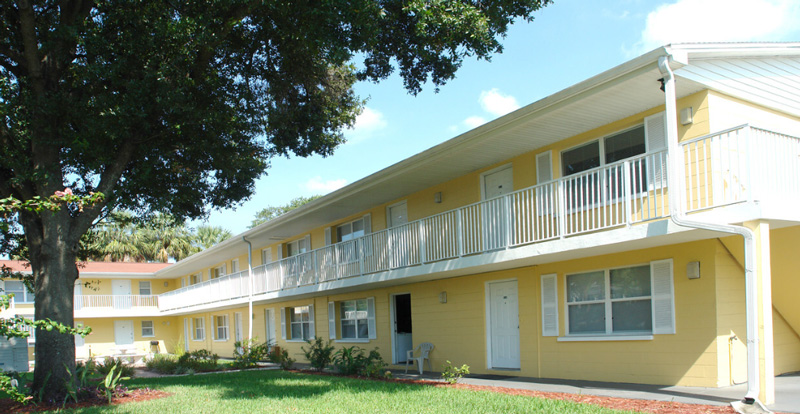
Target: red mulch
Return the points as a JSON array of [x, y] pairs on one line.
[[134, 395]]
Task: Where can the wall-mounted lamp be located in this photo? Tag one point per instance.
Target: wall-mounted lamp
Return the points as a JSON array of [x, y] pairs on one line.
[[437, 197], [443, 297], [166, 284], [693, 270], [686, 116]]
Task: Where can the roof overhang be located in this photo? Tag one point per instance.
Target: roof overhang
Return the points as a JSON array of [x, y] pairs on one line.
[[628, 89]]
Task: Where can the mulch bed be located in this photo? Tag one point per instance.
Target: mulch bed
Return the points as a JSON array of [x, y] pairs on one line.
[[132, 395]]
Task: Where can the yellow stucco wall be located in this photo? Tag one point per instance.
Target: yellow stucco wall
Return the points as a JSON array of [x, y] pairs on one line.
[[101, 341]]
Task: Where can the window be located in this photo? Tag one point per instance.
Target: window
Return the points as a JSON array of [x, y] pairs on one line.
[[20, 291], [616, 301], [234, 266], [266, 256], [216, 272], [354, 320], [221, 327], [148, 329], [300, 319], [195, 279], [144, 288], [350, 231], [199, 332], [297, 247]]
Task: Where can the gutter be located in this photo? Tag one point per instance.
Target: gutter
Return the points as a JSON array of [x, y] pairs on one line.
[[750, 403], [250, 290]]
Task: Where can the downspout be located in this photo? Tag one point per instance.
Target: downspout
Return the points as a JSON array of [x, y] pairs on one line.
[[677, 188], [250, 290]]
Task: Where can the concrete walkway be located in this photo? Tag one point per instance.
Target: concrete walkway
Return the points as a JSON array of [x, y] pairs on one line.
[[787, 389]]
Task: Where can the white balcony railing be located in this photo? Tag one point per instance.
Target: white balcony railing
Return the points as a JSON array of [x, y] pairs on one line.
[[720, 170], [115, 302]]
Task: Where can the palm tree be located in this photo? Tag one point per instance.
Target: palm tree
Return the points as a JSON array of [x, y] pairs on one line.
[[115, 239], [207, 236], [164, 238]]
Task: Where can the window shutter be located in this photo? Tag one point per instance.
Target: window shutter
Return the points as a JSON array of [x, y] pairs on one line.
[[367, 223], [331, 320], [280, 251], [224, 270], [308, 242], [283, 323], [327, 236], [373, 330], [183, 282], [550, 305], [311, 330], [663, 298], [655, 130], [544, 167], [266, 255]]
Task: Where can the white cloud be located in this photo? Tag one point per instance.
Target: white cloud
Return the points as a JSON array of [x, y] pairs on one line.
[[719, 21], [317, 185], [495, 103], [368, 123], [474, 121]]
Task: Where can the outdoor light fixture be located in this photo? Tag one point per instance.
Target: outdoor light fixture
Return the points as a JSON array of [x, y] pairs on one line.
[[693, 270], [686, 116], [443, 297], [437, 197], [166, 284]]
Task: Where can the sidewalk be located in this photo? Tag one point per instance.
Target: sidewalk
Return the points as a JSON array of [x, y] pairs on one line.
[[787, 389]]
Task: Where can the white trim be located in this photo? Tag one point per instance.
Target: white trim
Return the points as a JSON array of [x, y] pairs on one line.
[[141, 326], [235, 269], [331, 320], [351, 341], [549, 304], [595, 338]]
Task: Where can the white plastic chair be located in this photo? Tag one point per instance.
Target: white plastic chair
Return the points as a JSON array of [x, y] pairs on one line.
[[425, 349]]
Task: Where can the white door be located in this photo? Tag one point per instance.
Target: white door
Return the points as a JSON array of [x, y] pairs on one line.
[[186, 334], [121, 291], [503, 325], [401, 237], [496, 184], [78, 292], [80, 343], [402, 329], [237, 329], [269, 318], [123, 334]]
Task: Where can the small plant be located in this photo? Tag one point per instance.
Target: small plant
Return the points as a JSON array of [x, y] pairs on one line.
[[162, 363], [249, 353], [354, 361], [109, 363], [287, 362], [10, 385], [112, 384], [320, 353], [199, 361], [453, 374], [180, 347]]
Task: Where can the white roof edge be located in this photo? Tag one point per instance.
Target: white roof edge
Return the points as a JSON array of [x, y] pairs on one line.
[[680, 53]]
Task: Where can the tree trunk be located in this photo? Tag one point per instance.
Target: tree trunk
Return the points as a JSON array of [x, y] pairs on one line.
[[55, 273]]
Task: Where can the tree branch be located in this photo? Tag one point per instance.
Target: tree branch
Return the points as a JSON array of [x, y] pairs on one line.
[[30, 45]]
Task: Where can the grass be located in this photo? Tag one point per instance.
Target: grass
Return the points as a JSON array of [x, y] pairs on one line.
[[287, 392]]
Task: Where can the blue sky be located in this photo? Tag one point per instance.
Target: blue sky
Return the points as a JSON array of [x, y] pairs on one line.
[[568, 41]]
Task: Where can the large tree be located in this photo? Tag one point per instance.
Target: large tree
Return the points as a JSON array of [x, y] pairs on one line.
[[272, 212], [177, 105]]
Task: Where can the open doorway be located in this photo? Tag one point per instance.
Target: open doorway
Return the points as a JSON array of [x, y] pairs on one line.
[[402, 330]]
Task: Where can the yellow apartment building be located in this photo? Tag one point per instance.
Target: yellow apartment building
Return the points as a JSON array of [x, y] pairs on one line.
[[595, 234]]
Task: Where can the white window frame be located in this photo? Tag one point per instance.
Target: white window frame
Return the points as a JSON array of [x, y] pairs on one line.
[[290, 322], [355, 317], [607, 301], [145, 285], [151, 328], [294, 248], [221, 328], [195, 279], [336, 321], [198, 329], [350, 225], [20, 296], [217, 272]]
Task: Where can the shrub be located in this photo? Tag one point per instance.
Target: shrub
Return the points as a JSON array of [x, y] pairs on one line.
[[249, 353], [199, 361], [280, 356], [110, 362], [354, 361], [453, 374], [162, 363], [319, 353]]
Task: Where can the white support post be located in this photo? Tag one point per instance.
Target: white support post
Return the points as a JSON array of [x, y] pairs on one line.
[[627, 197], [422, 242], [459, 237]]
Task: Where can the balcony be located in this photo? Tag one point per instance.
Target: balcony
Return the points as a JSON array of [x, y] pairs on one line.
[[89, 306], [722, 170]]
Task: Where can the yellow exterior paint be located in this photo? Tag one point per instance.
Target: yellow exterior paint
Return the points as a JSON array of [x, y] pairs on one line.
[[101, 341]]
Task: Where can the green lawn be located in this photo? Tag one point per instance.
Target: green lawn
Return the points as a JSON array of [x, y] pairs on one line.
[[285, 392]]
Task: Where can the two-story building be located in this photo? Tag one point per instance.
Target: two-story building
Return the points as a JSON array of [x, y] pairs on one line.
[[593, 234]]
